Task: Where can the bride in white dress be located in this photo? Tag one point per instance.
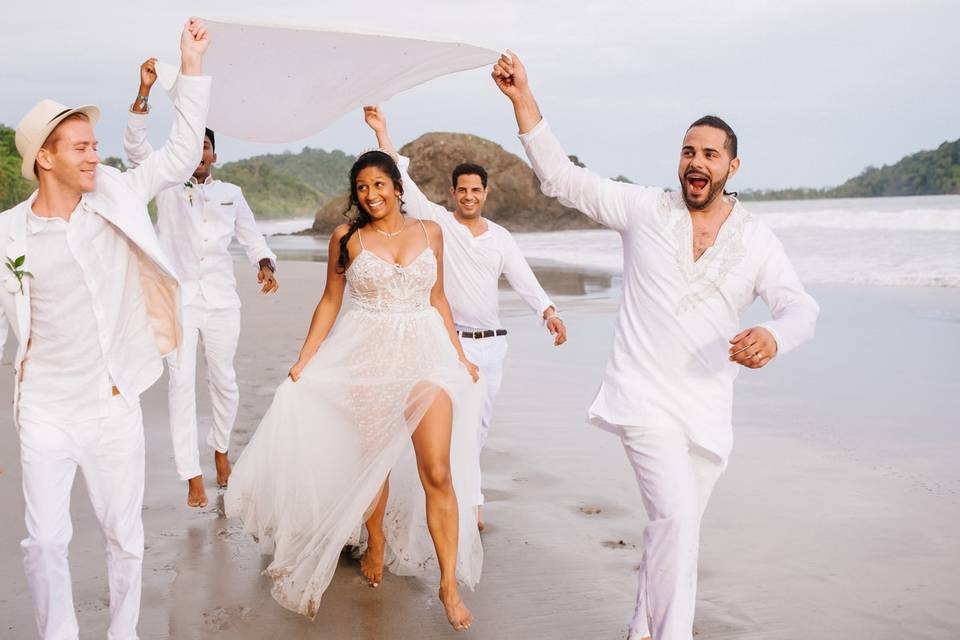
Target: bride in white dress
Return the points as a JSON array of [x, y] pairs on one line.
[[383, 390]]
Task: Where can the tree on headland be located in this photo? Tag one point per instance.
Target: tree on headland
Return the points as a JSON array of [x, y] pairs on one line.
[[933, 172], [13, 188]]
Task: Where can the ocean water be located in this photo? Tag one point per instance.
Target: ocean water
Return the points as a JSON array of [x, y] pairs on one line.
[[912, 241], [879, 241]]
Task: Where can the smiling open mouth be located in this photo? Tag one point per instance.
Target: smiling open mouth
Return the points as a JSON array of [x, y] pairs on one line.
[[697, 183]]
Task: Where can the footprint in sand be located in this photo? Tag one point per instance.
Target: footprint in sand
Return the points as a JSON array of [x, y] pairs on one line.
[[590, 510], [618, 544]]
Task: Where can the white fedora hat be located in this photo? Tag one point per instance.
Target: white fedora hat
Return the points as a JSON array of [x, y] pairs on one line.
[[37, 125]]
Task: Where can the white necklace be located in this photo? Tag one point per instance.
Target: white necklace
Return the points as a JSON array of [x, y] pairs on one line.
[[390, 234]]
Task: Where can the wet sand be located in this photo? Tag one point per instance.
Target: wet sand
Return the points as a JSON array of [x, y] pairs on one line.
[[836, 518]]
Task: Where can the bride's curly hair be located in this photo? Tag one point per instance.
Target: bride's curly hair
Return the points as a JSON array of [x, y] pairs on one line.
[[361, 218]]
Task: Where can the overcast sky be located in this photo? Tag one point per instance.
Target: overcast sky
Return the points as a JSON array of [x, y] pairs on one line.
[[817, 90]]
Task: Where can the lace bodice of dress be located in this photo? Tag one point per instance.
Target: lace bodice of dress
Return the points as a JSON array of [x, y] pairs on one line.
[[381, 286]]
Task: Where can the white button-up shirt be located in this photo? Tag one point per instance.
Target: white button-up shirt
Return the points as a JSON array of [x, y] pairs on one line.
[[70, 365], [472, 265], [128, 275], [196, 223], [670, 363]]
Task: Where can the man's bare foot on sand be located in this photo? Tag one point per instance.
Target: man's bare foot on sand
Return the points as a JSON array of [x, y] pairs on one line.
[[223, 468], [196, 494], [480, 525], [457, 613], [371, 564]]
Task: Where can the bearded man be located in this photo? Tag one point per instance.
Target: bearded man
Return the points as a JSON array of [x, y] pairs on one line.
[[693, 262]]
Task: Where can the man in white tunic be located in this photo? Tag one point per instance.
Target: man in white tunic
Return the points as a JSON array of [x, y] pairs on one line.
[[196, 222], [477, 252], [693, 261], [93, 303]]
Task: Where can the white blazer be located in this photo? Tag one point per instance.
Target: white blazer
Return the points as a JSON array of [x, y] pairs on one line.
[[121, 198]]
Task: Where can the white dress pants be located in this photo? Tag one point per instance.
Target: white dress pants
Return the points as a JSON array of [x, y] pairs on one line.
[[219, 331], [110, 453], [676, 480], [488, 354]]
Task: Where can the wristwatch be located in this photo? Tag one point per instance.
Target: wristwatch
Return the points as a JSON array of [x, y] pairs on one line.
[[142, 102]]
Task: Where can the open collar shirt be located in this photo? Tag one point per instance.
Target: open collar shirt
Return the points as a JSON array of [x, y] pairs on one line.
[[472, 265], [669, 364], [80, 268], [196, 223]]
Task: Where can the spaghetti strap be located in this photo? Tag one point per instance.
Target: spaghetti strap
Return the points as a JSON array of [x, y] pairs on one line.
[[427, 235], [360, 238]]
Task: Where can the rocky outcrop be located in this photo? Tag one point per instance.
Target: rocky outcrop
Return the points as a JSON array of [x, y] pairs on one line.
[[515, 200]]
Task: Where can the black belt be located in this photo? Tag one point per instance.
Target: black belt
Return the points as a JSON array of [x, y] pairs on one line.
[[476, 335]]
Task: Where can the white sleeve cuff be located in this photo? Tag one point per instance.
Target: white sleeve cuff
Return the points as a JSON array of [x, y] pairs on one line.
[[540, 127]]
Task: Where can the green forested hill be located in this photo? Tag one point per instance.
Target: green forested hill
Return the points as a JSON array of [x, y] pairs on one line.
[[287, 184], [13, 188], [276, 185], [932, 172]]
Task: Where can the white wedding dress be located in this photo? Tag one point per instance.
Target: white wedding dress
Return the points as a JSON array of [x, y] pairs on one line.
[[311, 472]]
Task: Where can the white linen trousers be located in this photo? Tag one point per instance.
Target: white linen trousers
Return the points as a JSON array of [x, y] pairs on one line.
[[110, 453], [219, 330], [488, 354], [676, 478]]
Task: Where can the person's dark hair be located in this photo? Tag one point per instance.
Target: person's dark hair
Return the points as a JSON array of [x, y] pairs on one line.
[[213, 139], [469, 169], [718, 123], [361, 218]]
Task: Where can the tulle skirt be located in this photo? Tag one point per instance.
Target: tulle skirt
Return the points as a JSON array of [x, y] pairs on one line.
[[312, 471]]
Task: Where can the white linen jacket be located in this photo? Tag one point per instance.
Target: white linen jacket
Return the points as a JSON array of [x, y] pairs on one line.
[[121, 198]]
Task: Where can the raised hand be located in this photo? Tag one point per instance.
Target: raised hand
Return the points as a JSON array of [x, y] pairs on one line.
[[753, 348], [148, 73], [193, 45], [511, 76], [375, 119]]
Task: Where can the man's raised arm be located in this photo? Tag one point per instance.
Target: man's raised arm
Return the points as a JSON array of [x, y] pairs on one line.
[[415, 202], [610, 203], [176, 160], [135, 144]]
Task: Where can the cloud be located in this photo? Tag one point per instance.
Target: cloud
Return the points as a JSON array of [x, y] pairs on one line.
[[817, 90]]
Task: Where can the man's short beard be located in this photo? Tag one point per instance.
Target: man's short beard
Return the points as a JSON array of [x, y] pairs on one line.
[[716, 190]]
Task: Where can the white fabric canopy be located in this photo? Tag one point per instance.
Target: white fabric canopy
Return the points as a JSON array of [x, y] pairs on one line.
[[281, 84]]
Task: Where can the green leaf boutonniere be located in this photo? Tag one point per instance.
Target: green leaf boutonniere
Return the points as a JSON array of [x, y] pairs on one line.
[[189, 191], [14, 281]]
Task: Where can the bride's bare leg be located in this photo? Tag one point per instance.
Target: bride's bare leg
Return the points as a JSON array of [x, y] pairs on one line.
[[371, 564], [431, 441]]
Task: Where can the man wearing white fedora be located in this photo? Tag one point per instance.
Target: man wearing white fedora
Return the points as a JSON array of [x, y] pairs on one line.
[[93, 303]]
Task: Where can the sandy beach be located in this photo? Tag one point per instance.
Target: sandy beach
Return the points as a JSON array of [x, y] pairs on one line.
[[837, 516]]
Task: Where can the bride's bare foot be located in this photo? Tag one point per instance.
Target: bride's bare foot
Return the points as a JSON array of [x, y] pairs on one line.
[[457, 613], [196, 494], [223, 468], [371, 564], [480, 525]]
